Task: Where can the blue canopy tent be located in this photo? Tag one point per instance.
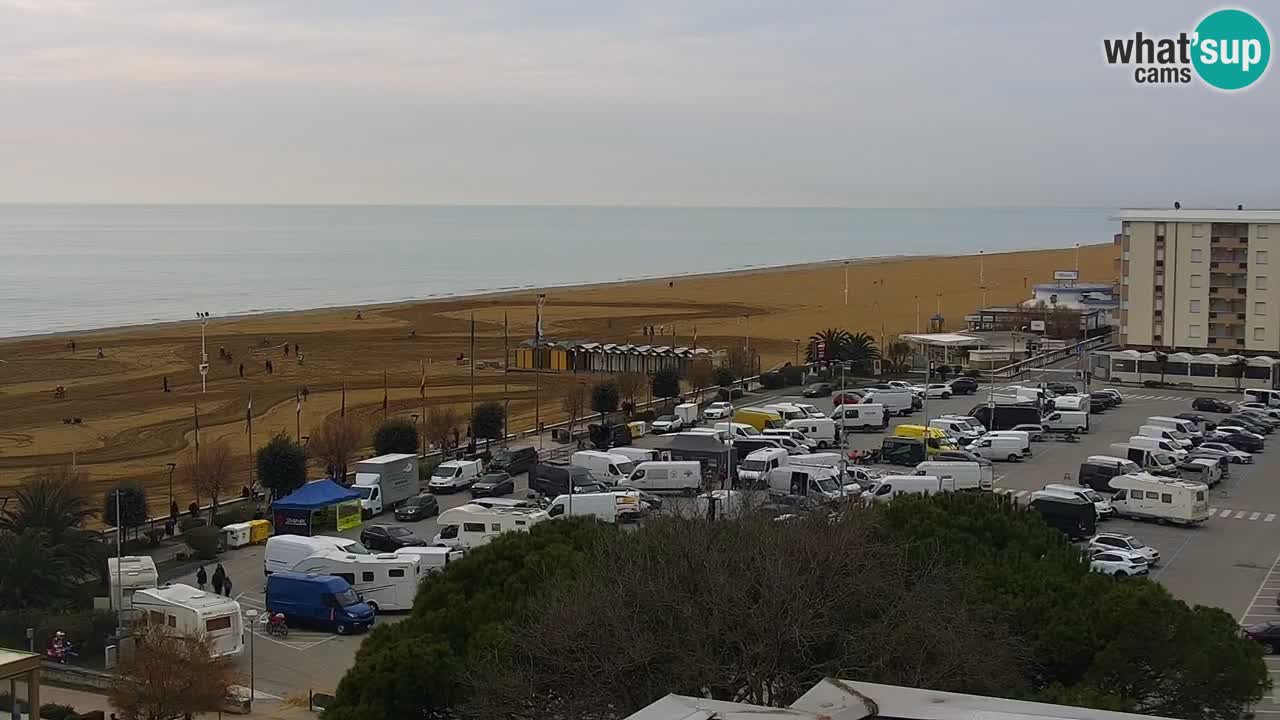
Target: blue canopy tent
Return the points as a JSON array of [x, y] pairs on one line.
[[317, 507]]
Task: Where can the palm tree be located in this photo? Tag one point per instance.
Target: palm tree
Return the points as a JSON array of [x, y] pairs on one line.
[[1162, 362], [34, 572], [860, 349], [50, 502], [899, 356], [835, 338]]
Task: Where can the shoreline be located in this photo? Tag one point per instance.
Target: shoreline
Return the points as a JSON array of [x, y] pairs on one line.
[[499, 293]]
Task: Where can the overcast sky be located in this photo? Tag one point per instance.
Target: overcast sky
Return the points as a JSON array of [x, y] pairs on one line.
[[685, 102]]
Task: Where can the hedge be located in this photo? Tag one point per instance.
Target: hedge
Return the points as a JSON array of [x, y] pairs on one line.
[[87, 629]]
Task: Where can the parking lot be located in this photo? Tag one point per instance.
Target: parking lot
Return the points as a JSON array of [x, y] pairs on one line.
[[1231, 561]]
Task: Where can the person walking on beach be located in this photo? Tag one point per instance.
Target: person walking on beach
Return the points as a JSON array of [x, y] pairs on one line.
[[286, 349], [219, 577], [226, 586], [241, 371], [166, 383], [202, 578]]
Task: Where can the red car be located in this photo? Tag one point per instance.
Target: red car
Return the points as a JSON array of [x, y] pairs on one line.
[[846, 398]]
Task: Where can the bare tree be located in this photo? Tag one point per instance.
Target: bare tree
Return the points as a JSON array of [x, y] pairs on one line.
[[208, 472], [700, 377], [171, 676], [574, 403], [630, 384], [335, 443], [440, 424], [752, 611], [740, 362]]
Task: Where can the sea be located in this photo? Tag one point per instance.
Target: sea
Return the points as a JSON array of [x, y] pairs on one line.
[[81, 267]]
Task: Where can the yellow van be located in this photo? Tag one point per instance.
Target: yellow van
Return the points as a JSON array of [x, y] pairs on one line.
[[936, 439], [759, 418]]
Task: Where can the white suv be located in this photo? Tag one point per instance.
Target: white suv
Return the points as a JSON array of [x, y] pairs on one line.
[[1128, 543], [717, 411], [1118, 563]]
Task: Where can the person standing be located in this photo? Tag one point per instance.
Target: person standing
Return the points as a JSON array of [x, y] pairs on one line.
[[202, 578], [226, 586], [241, 371], [219, 577], [166, 383]]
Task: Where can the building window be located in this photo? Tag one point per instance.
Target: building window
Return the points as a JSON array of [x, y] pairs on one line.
[[1160, 255], [1159, 307], [1262, 257], [1260, 308], [1157, 329], [1197, 230], [1195, 306], [1262, 231], [1259, 334], [1159, 228], [1197, 281], [1193, 331], [1260, 282], [1197, 255]]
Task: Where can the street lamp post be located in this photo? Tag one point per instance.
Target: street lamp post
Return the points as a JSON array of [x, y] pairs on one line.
[[797, 352], [415, 427], [846, 282], [204, 355], [172, 467], [252, 616]]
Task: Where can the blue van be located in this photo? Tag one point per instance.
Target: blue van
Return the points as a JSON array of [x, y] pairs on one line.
[[305, 598]]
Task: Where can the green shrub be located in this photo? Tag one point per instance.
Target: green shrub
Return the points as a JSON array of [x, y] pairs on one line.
[[86, 628], [792, 375], [646, 415], [186, 523], [772, 380], [203, 541], [92, 715], [237, 513], [54, 711]]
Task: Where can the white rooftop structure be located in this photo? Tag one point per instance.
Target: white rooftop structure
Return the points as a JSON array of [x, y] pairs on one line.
[[188, 596], [1200, 215], [946, 339]]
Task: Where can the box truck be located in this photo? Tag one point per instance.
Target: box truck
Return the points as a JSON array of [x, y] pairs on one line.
[[386, 481]]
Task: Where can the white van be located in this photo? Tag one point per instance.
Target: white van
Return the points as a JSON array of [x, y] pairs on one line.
[[386, 581], [620, 506], [1072, 403], [128, 575], [838, 463], [608, 466], [1179, 427], [821, 432], [454, 475], [430, 558], [1021, 436], [682, 476], [470, 525], [1147, 496], [898, 402], [810, 410], [738, 429], [997, 447], [959, 474], [1201, 470], [1073, 421], [635, 454], [958, 430], [788, 439], [284, 552], [787, 411], [753, 467], [895, 485], [1154, 431], [185, 611], [862, 417], [1270, 398], [807, 481], [973, 422], [1100, 503]]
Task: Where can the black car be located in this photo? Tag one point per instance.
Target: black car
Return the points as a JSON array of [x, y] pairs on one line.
[[389, 538], [964, 386], [1248, 423], [514, 461], [493, 484], [1062, 388], [1105, 398], [417, 507], [1208, 404], [1205, 423], [821, 389], [1267, 633], [1238, 441]]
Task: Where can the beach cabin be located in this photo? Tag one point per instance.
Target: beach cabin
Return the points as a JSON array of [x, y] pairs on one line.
[[1206, 370]]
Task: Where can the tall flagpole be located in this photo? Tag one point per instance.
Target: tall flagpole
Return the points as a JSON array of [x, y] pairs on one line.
[[297, 395], [422, 397], [248, 421], [385, 399], [506, 398], [195, 416], [342, 412], [473, 366], [537, 379]]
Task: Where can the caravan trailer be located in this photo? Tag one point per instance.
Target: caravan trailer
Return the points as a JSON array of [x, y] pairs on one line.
[[189, 611], [1141, 495], [128, 575], [386, 581]]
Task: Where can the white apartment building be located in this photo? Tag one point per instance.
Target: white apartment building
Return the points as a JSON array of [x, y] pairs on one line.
[[1200, 281]]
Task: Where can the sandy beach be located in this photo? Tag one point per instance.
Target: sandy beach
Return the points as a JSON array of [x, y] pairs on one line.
[[130, 428]]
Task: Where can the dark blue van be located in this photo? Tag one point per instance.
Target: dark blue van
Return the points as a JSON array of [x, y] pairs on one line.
[[308, 599]]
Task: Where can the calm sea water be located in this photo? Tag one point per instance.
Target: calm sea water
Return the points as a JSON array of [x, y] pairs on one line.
[[75, 267]]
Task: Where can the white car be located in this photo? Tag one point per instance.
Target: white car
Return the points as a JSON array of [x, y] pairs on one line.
[[1233, 455], [717, 411], [1118, 563], [1105, 542], [933, 390], [667, 424], [1034, 431], [810, 410]]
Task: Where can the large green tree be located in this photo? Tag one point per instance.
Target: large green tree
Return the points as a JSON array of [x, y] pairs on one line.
[[488, 419], [666, 383], [127, 503], [832, 341], [396, 435], [604, 397], [282, 465]]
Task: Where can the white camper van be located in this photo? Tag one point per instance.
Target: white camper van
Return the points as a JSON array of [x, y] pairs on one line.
[[185, 610], [620, 506], [284, 552], [608, 466], [386, 581], [682, 476], [756, 464], [470, 525], [431, 558], [1147, 496], [128, 575]]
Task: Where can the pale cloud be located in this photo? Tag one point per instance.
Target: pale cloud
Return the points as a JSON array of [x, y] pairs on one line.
[[668, 102]]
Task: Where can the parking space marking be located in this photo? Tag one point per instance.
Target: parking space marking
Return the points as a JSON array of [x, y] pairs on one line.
[[1240, 515], [1269, 517], [1213, 511], [1255, 516]]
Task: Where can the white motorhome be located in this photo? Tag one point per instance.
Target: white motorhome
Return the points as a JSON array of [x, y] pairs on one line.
[[128, 575], [1147, 496], [386, 581], [620, 506], [821, 432], [682, 476], [894, 485], [1100, 503], [757, 463], [1201, 470], [185, 610], [805, 481], [862, 417], [635, 454], [1072, 421], [386, 481], [284, 552], [1165, 444], [898, 402], [959, 474], [431, 558], [608, 466], [470, 525], [1173, 436]]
